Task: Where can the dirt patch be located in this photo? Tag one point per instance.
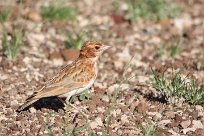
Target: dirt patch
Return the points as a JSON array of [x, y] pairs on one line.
[[136, 106]]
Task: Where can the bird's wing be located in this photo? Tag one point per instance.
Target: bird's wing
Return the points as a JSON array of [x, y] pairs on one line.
[[65, 81], [56, 90], [59, 76]]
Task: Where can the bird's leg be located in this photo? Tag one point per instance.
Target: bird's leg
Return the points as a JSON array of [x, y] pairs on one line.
[[65, 102], [78, 109]]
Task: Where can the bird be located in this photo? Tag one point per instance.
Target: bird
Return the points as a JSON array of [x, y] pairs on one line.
[[74, 78]]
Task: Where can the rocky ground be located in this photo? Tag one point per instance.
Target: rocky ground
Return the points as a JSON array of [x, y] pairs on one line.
[[123, 101]]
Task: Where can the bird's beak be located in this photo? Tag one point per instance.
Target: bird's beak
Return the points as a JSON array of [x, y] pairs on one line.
[[105, 47]]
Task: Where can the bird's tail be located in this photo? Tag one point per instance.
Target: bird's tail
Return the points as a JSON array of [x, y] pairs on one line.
[[26, 104]]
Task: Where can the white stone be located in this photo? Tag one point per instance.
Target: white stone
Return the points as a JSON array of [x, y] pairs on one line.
[[164, 122], [197, 124], [105, 98], [185, 124], [96, 123], [199, 108], [124, 119]]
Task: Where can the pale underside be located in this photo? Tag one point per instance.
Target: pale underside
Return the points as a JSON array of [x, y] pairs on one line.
[[77, 91]]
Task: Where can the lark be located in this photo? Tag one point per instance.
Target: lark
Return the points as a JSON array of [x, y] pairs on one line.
[[74, 78]]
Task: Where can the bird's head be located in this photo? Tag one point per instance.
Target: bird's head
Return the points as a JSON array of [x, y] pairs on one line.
[[92, 49]]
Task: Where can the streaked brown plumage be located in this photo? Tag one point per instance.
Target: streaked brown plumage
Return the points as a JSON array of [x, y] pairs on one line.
[[74, 78]]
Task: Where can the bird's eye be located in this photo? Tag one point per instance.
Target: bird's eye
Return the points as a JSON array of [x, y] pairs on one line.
[[97, 47]]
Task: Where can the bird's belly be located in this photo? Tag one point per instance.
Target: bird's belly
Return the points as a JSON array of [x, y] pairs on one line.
[[78, 91]]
